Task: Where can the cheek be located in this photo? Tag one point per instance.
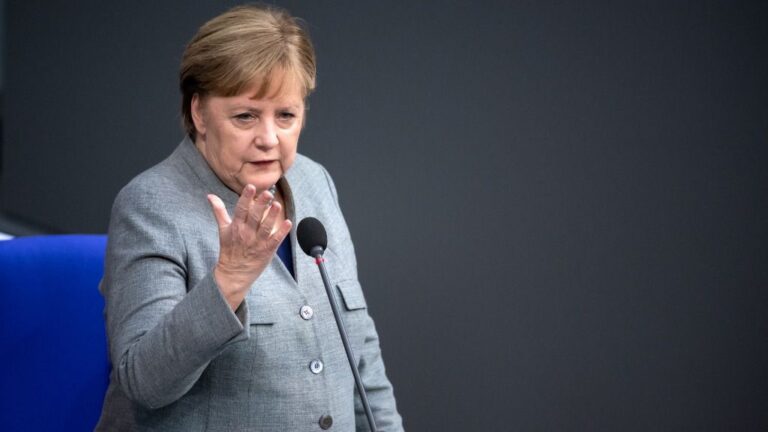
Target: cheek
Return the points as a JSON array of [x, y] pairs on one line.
[[288, 160], [224, 153], [289, 148], [236, 147], [221, 142]]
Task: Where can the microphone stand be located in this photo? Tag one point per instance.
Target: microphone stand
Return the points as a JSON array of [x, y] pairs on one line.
[[317, 253]]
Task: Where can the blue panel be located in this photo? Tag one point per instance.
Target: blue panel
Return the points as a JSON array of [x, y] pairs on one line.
[[53, 355]]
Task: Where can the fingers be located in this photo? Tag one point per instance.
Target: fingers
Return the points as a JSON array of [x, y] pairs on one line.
[[244, 203], [280, 234], [268, 224], [258, 215], [259, 207], [219, 211]]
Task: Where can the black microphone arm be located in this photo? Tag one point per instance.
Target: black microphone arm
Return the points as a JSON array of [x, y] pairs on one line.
[[313, 241]]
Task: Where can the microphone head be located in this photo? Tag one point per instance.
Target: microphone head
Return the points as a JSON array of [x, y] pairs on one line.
[[311, 235]]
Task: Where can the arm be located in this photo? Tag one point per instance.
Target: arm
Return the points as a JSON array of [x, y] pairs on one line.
[[163, 332], [381, 396], [161, 336]]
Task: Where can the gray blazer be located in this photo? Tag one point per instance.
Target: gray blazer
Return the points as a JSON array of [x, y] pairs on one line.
[[183, 361]]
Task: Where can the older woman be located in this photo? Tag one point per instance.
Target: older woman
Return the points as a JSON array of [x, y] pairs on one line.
[[208, 329]]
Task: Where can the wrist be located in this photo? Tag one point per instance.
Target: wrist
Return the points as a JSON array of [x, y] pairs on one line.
[[231, 281]]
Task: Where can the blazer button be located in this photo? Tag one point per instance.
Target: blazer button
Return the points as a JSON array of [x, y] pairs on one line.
[[316, 366], [306, 312], [326, 422]]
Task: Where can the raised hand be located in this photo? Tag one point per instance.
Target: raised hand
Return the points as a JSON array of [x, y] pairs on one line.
[[248, 242]]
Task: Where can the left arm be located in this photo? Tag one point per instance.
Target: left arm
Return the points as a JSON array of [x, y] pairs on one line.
[[381, 396]]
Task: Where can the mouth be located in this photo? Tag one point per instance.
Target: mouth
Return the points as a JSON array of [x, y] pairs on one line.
[[262, 164]]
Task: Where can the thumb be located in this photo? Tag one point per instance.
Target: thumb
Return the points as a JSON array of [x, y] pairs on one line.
[[219, 211]]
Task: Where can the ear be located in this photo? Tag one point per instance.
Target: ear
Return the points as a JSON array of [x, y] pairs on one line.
[[197, 114]]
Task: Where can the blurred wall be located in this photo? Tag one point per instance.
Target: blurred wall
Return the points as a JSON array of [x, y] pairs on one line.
[[570, 228]]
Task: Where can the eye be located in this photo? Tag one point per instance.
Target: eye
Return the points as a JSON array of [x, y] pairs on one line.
[[244, 117], [286, 115]]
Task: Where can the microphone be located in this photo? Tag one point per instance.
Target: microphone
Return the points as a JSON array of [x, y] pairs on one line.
[[312, 237], [313, 241]]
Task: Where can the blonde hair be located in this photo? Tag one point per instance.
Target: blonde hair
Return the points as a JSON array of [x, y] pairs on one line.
[[241, 47]]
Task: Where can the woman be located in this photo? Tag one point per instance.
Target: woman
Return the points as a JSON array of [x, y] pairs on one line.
[[208, 330]]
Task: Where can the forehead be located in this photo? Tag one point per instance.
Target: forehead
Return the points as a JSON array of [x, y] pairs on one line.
[[279, 85]]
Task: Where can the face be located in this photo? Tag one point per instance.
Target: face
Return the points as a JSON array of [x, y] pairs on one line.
[[250, 140]]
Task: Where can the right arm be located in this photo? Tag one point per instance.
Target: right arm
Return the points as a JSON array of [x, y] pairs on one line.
[[163, 333]]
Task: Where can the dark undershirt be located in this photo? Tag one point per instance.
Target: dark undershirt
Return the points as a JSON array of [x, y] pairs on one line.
[[284, 252]]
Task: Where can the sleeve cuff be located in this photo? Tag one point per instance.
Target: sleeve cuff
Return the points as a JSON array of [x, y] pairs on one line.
[[222, 323]]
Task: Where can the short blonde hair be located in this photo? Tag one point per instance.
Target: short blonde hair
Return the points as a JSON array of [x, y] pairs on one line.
[[241, 47]]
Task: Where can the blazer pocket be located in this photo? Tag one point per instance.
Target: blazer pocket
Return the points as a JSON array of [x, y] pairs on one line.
[[354, 313], [352, 294], [261, 310]]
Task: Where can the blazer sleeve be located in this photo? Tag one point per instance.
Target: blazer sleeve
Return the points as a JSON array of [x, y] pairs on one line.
[[380, 393], [377, 386], [162, 332]]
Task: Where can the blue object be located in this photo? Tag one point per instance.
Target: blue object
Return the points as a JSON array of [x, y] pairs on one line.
[[54, 366], [284, 252]]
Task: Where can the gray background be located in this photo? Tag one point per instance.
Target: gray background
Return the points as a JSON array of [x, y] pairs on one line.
[[570, 228]]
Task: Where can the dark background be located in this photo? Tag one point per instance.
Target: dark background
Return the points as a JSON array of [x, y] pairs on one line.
[[559, 208]]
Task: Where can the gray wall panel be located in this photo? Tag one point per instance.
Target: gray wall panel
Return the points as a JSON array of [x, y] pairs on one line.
[[571, 196]]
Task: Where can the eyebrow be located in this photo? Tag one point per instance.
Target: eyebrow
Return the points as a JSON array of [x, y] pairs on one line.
[[244, 108], [258, 110]]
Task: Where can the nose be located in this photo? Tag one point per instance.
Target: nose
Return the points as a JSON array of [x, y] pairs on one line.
[[266, 134]]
